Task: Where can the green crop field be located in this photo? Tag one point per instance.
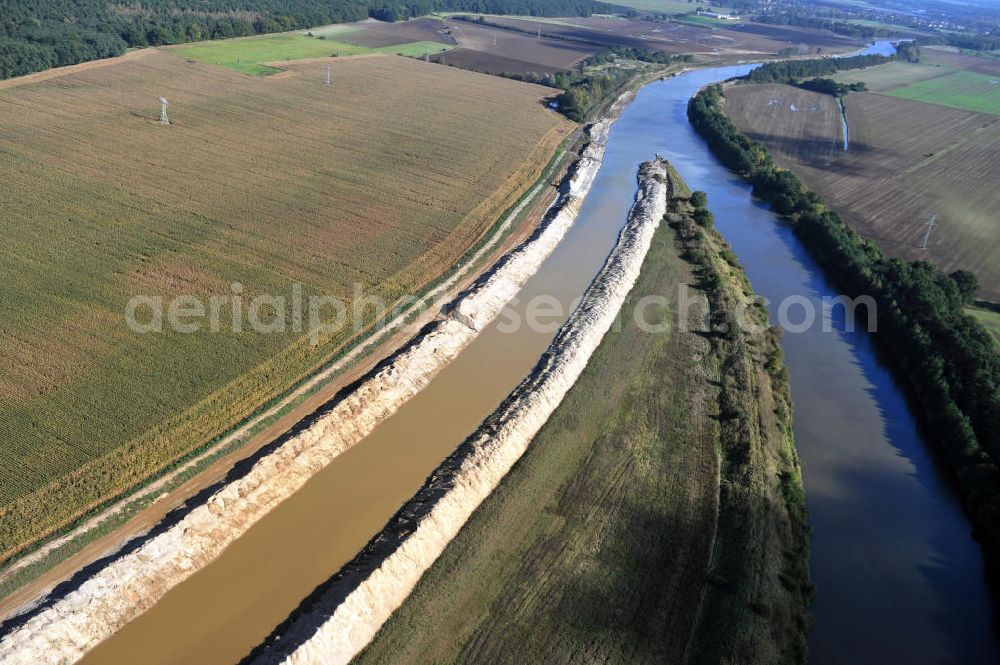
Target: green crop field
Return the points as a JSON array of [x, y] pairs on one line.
[[947, 78], [705, 21], [962, 90], [893, 75], [383, 179], [247, 54], [612, 537]]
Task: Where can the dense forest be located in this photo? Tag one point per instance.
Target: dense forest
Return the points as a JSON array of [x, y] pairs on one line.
[[855, 30], [39, 34], [945, 356]]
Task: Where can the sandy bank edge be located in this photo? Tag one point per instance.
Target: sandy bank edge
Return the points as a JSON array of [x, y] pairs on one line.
[[100, 606], [340, 619]]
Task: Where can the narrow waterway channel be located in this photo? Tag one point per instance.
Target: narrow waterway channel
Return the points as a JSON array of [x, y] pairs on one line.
[[898, 576], [220, 613]]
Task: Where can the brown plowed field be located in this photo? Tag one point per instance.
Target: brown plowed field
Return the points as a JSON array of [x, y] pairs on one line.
[[942, 55], [682, 38], [512, 51], [907, 160], [376, 34]]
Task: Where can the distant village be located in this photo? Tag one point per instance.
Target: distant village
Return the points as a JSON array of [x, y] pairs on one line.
[[717, 15]]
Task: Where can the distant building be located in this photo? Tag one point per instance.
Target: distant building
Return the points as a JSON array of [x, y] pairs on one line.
[[717, 15]]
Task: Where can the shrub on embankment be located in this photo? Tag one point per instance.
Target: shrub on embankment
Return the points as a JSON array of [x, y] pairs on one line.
[[755, 605], [945, 357]]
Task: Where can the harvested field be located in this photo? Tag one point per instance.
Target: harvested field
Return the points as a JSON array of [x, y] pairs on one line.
[[682, 38], [261, 181], [376, 34], [795, 36], [773, 106], [513, 52], [517, 48], [907, 161], [491, 63], [950, 57]]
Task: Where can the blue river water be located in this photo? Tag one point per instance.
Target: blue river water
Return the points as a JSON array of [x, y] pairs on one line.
[[898, 576]]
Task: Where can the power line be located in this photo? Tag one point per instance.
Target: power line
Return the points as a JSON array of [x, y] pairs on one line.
[[930, 226], [164, 120]]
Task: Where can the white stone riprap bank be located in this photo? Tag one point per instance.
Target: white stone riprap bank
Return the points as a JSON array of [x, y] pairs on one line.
[[340, 620], [65, 629]]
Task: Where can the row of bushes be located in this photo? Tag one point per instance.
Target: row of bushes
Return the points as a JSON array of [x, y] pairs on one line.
[[944, 355], [787, 71], [758, 600]]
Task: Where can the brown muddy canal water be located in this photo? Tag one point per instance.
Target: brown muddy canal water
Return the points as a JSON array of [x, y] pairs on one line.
[[223, 611]]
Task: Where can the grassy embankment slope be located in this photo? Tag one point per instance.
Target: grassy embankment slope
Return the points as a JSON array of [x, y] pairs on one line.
[[263, 182], [659, 512]]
